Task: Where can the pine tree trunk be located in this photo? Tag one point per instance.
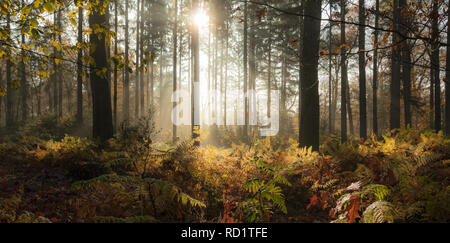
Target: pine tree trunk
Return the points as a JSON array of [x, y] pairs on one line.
[[310, 118], [79, 116], [138, 73], [174, 84], [126, 82], [406, 66], [246, 115], [362, 72], [116, 39], [447, 80], [101, 92], [436, 66], [343, 75], [395, 79], [375, 71]]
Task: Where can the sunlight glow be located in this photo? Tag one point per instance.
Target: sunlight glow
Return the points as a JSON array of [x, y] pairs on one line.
[[201, 19]]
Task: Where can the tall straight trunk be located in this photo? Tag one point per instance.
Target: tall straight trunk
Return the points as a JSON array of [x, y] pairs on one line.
[[126, 82], [141, 74], [226, 77], [79, 116], [349, 105], [375, 71], [220, 110], [269, 74], [161, 81], [362, 72], [435, 65], [59, 73], [300, 66], [55, 70], [245, 130], [447, 80], [395, 77], [174, 84], [310, 118], [196, 82], [116, 40], [137, 85], [216, 74], [343, 75], [330, 76], [23, 82], [9, 89], [406, 66], [209, 74], [152, 79], [101, 92]]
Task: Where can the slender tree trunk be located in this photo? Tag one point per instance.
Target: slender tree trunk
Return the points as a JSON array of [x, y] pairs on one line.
[[447, 80], [310, 118], [375, 71], [9, 89], [23, 81], [245, 130], [406, 65], [101, 92], [362, 72], [436, 66], [196, 82], [343, 75], [59, 73], [79, 115], [269, 74], [116, 40], [126, 83], [330, 76], [175, 42], [141, 76], [226, 77], [395, 79], [137, 85]]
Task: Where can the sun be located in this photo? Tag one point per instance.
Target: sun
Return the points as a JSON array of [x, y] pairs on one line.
[[201, 19]]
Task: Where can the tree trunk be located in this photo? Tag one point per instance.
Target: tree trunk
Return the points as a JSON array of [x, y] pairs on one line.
[[137, 85], [343, 75], [196, 82], [126, 82], [116, 39], [406, 66], [9, 89], [330, 77], [310, 118], [174, 84], [435, 65], [101, 92], [375, 72], [245, 130], [447, 80], [395, 77], [141, 76], [79, 116], [362, 72]]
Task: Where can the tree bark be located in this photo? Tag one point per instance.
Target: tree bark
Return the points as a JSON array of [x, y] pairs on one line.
[[375, 71], [79, 116], [343, 75], [362, 72], [310, 118], [395, 76], [101, 92]]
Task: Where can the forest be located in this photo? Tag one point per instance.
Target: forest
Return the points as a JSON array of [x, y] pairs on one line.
[[224, 111]]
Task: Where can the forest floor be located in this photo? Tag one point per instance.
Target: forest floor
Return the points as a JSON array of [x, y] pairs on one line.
[[398, 178]]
